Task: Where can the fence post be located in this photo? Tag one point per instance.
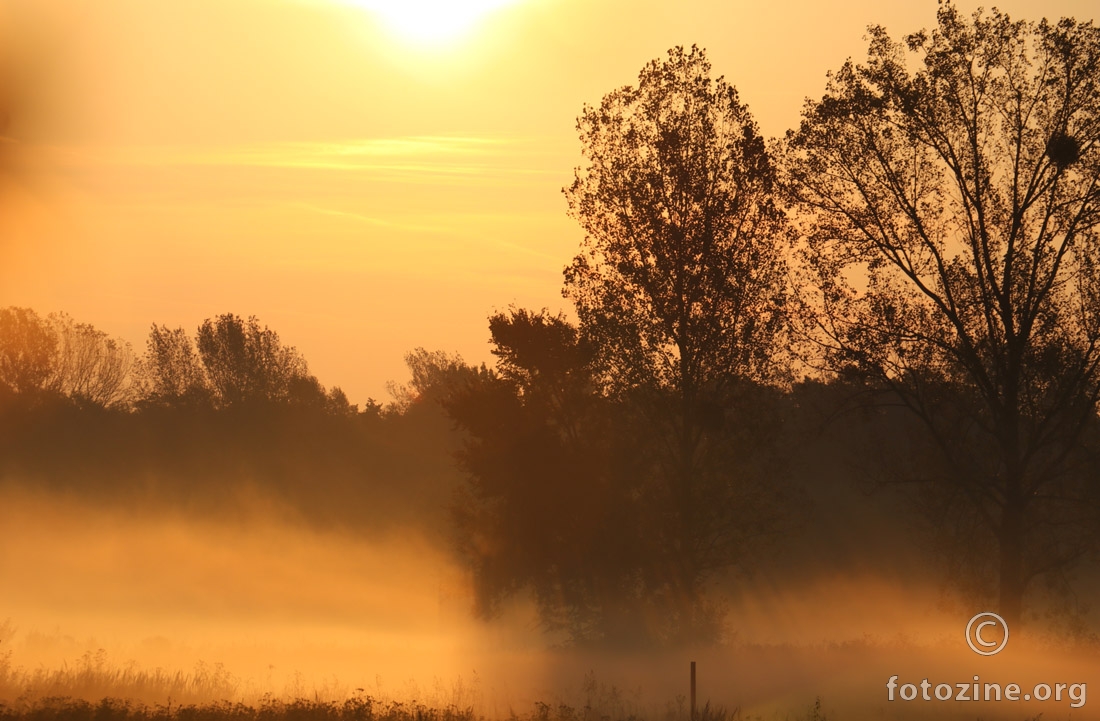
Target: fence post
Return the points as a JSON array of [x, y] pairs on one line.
[[692, 691]]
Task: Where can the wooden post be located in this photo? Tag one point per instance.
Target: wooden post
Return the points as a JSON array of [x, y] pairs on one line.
[[692, 691]]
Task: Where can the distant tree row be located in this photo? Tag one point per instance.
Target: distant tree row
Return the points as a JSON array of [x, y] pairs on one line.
[[208, 423], [231, 362], [57, 355]]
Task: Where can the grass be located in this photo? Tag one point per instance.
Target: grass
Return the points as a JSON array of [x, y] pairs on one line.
[[356, 708], [93, 678], [91, 689]]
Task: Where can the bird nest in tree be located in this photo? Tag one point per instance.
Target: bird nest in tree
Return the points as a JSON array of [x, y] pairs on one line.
[[1063, 149]]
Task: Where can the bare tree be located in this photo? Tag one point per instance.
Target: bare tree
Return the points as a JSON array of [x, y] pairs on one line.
[[89, 365], [58, 355]]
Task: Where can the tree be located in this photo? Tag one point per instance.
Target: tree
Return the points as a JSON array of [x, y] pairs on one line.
[[172, 370], [679, 287], [552, 501], [436, 375], [57, 355], [247, 363], [237, 362], [27, 349], [90, 366], [954, 186]]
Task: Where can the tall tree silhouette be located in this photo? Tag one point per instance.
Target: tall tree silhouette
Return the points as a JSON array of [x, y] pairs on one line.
[[680, 287], [955, 184]]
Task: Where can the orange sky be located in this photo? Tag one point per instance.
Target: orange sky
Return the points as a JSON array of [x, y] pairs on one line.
[[360, 191]]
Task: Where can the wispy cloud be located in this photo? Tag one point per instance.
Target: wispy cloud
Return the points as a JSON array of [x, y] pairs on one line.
[[436, 156], [452, 154], [375, 221]]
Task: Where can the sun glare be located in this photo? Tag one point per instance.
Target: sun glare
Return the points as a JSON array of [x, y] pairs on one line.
[[431, 21]]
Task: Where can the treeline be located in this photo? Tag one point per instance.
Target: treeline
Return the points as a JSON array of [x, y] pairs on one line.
[[201, 421], [556, 488], [230, 362]]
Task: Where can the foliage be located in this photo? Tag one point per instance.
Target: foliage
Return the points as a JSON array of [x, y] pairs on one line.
[[233, 362], [160, 433], [951, 186], [172, 370], [551, 501], [91, 367], [246, 363], [680, 291], [58, 356], [27, 349], [564, 496], [435, 376], [681, 277]]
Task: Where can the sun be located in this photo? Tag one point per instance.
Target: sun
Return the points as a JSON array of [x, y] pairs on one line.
[[431, 21]]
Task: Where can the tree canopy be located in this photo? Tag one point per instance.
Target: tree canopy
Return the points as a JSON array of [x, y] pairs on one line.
[[681, 276], [59, 356], [951, 186], [618, 466]]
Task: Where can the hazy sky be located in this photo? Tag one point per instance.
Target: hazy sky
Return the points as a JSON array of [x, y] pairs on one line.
[[363, 181]]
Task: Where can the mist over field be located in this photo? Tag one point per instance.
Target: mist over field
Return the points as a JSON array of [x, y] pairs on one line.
[[290, 608], [152, 603], [280, 604]]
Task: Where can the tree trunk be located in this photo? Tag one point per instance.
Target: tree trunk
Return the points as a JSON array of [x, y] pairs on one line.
[[1011, 536], [1011, 578]]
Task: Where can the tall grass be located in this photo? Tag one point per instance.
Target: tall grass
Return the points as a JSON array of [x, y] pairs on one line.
[[357, 708], [93, 690], [93, 677]]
